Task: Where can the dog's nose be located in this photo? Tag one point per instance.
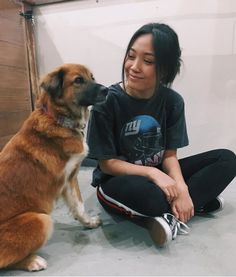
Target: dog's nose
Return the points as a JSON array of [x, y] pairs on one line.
[[102, 93]]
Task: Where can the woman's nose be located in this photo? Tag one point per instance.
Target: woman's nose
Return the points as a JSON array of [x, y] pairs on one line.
[[136, 66]]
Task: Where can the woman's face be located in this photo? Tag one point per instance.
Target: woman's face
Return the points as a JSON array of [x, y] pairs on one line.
[[140, 69]]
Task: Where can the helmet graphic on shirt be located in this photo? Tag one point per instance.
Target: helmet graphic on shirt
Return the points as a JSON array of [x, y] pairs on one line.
[[141, 140]]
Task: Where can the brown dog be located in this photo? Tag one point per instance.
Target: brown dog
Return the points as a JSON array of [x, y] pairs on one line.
[[41, 162]]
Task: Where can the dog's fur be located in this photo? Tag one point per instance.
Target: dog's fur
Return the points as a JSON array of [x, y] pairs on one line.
[[41, 162]]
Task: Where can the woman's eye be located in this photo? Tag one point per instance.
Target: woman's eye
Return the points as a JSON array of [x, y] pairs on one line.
[[149, 62], [79, 80], [131, 57]]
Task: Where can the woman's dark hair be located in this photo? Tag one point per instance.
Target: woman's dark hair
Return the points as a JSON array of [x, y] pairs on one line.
[[166, 50]]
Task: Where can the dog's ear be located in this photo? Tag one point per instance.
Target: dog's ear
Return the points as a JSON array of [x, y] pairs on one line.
[[53, 83]]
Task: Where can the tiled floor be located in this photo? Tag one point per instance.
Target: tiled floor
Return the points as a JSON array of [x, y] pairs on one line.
[[119, 247]]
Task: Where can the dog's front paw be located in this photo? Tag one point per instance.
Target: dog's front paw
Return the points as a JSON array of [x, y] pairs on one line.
[[37, 263], [93, 222]]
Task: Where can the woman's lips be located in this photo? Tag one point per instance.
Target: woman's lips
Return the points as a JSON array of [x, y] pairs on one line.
[[134, 77]]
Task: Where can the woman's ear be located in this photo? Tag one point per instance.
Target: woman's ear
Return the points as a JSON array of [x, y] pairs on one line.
[[52, 83]]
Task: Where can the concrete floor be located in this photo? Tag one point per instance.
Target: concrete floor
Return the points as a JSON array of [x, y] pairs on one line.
[[120, 247]]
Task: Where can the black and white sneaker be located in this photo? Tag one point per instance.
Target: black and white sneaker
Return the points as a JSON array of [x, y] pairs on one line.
[[213, 206], [165, 228]]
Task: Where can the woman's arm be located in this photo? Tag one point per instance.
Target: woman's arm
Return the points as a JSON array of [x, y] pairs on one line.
[[182, 206], [118, 167], [172, 168]]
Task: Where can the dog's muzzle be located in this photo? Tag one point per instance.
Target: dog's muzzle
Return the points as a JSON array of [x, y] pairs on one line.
[[102, 94], [94, 93]]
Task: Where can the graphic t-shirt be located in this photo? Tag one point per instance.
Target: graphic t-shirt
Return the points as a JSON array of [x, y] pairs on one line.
[[136, 130]]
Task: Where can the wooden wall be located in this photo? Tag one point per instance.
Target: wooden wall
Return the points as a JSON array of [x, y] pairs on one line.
[[15, 99]]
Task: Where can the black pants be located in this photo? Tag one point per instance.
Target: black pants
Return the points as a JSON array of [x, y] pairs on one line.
[[206, 175]]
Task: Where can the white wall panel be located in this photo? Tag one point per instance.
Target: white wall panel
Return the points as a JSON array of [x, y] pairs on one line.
[[96, 33]]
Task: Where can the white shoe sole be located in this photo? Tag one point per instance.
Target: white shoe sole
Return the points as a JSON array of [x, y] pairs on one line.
[[159, 230], [222, 204]]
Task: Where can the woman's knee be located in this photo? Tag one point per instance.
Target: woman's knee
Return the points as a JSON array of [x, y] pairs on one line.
[[228, 155], [229, 158]]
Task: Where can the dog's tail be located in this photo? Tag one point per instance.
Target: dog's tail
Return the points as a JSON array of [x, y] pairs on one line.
[[22, 235]]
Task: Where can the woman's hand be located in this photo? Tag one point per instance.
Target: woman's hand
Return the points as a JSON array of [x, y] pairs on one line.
[[182, 207], [164, 182]]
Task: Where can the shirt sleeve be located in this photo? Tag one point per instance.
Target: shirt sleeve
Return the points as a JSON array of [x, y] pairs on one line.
[[176, 131], [100, 137]]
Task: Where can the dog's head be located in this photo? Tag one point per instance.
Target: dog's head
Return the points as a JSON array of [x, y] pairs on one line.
[[73, 86]]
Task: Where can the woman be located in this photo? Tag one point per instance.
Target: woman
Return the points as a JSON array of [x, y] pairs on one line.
[[135, 135]]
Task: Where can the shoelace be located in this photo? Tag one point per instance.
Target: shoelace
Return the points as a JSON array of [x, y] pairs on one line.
[[177, 226]]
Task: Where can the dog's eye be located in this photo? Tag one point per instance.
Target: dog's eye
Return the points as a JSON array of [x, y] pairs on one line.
[[79, 80]]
